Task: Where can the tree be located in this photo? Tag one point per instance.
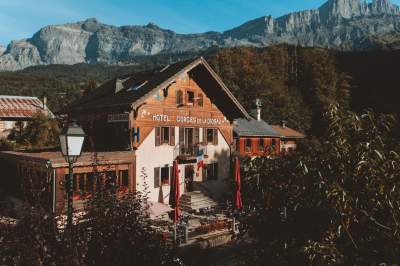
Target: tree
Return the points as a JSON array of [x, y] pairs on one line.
[[335, 205], [114, 229], [122, 232], [41, 131]]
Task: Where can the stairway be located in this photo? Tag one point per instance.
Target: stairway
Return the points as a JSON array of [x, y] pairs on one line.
[[194, 201]]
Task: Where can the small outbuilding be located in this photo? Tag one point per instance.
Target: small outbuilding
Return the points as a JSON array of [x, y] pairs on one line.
[[255, 137], [16, 111], [289, 137]]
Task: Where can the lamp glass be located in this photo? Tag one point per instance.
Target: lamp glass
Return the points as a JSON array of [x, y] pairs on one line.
[[74, 146], [63, 144]]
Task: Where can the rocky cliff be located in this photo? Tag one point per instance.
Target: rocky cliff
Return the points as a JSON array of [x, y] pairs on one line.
[[337, 24]]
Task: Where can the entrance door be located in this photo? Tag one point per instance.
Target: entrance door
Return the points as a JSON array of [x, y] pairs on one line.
[[189, 175], [189, 141]]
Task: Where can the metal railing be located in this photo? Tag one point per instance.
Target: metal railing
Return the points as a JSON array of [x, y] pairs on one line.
[[190, 150]]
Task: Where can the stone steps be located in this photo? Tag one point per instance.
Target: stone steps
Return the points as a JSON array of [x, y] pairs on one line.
[[194, 201]]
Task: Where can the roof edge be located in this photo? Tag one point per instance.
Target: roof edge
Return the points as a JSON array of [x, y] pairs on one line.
[[225, 88]]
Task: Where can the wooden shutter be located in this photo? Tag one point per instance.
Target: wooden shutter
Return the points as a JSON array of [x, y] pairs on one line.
[[172, 136], [156, 177], [158, 136], [215, 137], [181, 136], [196, 135]]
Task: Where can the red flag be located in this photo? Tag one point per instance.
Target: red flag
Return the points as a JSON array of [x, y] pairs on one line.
[[238, 196]]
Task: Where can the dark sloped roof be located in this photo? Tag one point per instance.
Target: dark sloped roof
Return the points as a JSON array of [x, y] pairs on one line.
[[138, 86], [105, 95], [253, 128], [287, 132]]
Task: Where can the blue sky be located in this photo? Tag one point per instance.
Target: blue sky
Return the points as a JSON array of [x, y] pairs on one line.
[[21, 18]]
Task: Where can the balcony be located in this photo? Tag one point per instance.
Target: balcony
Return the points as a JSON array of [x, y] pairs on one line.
[[189, 153]]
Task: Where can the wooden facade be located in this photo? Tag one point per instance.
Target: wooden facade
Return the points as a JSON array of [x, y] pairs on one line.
[[41, 177], [183, 104], [257, 146]]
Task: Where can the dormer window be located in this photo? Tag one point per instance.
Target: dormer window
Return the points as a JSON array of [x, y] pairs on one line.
[[179, 97], [190, 97], [200, 99]]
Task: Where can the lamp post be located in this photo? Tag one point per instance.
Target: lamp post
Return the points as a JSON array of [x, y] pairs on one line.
[[71, 142]]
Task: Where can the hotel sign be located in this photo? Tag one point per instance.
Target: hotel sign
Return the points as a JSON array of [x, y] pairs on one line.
[[188, 119]]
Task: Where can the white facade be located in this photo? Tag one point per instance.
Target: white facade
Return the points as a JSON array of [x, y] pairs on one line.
[[150, 156], [287, 146]]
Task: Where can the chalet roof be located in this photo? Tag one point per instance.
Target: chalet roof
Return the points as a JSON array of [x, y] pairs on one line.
[[132, 90], [20, 107], [56, 160], [253, 128], [287, 132]]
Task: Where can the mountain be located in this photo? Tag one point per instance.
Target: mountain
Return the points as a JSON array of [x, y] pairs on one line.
[[2, 49], [338, 24], [294, 83]]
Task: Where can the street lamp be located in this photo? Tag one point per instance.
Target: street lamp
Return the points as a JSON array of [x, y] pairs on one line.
[[71, 142]]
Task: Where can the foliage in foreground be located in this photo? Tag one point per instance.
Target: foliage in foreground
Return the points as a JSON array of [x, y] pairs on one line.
[[336, 205], [41, 131], [114, 231]]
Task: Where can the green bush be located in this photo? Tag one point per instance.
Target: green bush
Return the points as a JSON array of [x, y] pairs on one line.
[[114, 230], [339, 204], [7, 145]]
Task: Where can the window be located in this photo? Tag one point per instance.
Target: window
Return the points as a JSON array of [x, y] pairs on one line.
[[247, 146], [179, 97], [210, 171], [190, 97], [261, 144], [78, 183], [165, 176], [123, 178], [200, 99], [210, 136], [162, 176], [165, 135], [90, 182], [273, 143]]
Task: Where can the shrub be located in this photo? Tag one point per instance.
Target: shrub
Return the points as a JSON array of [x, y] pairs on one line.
[[6, 145], [339, 204]]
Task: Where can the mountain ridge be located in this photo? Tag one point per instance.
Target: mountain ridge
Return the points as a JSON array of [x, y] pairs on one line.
[[337, 24]]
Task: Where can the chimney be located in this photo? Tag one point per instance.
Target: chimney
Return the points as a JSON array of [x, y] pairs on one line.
[[44, 102], [258, 110], [283, 124]]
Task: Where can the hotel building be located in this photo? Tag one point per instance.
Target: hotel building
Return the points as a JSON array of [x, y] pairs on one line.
[[180, 112]]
